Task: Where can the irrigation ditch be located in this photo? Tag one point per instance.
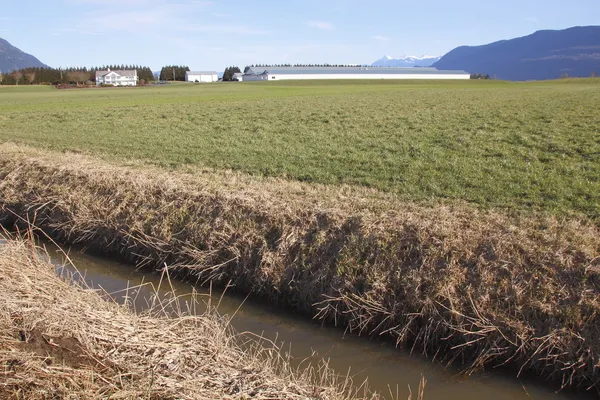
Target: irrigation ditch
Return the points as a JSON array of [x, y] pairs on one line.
[[463, 286], [63, 339]]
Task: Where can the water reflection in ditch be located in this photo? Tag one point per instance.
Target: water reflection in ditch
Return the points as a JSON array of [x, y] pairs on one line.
[[387, 368]]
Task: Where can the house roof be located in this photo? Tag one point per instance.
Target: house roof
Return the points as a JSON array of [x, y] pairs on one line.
[[122, 72], [238, 74], [202, 73], [349, 70]]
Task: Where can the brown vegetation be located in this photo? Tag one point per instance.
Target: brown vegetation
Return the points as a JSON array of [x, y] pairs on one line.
[[30, 76], [78, 76], [59, 339], [17, 75], [478, 288]]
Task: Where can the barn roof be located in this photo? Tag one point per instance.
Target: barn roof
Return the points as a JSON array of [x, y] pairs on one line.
[[256, 71], [349, 70]]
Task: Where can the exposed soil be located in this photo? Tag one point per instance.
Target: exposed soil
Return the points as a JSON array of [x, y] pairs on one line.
[[56, 350]]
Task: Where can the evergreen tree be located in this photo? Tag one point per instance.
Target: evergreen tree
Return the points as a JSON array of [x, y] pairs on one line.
[[173, 73], [228, 74]]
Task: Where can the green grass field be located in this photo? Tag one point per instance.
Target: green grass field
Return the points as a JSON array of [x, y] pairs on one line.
[[520, 146]]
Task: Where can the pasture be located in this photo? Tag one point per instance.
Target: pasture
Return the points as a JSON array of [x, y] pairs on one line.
[[514, 146]]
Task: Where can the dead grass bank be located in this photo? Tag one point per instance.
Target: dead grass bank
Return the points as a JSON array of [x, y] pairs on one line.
[[61, 340], [462, 285]]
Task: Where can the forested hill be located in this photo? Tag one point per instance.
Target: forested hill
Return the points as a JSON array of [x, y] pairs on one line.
[[573, 52], [11, 58]]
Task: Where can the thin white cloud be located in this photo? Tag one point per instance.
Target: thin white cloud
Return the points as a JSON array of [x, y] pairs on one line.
[[122, 3], [145, 3], [122, 21], [197, 45], [534, 20], [136, 16], [226, 29], [60, 31], [321, 25], [381, 38]]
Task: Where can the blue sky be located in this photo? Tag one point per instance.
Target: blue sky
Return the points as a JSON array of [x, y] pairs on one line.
[[209, 35]]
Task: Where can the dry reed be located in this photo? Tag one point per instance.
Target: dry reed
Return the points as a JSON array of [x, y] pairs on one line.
[[60, 339], [463, 285]]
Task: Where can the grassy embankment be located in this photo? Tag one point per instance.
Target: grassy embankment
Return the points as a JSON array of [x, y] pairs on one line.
[[460, 219], [60, 339]]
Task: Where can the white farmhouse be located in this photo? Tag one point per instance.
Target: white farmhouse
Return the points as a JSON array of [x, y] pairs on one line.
[[352, 72], [238, 76], [201, 76], [117, 77]]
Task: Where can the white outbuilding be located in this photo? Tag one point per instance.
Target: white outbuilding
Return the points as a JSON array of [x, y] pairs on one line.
[[201, 76]]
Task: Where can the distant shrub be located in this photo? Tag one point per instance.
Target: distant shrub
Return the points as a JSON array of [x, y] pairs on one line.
[[107, 85]]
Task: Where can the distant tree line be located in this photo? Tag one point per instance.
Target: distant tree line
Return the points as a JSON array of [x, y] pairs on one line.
[[57, 76], [173, 72], [229, 72], [480, 76]]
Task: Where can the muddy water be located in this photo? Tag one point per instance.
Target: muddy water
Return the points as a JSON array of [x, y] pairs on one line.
[[387, 368]]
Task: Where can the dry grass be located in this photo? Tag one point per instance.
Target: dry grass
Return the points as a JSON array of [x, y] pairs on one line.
[[478, 288], [59, 339]]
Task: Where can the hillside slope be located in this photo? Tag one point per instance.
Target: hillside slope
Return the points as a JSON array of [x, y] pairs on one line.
[[12, 58], [542, 55]]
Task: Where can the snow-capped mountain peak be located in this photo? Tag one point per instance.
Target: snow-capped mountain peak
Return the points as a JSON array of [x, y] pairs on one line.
[[406, 61]]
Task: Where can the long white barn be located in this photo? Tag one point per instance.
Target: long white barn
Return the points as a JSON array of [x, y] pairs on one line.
[[300, 73], [201, 76]]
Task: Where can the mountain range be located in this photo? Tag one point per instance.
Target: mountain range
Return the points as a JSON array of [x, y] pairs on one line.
[[547, 54], [406, 61], [12, 58]]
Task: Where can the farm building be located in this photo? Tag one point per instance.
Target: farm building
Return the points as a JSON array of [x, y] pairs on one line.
[[117, 77], [296, 73], [201, 76], [238, 76]]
